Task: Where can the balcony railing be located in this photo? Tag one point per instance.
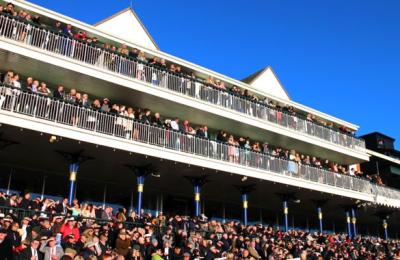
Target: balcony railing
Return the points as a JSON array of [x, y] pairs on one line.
[[58, 111], [45, 39]]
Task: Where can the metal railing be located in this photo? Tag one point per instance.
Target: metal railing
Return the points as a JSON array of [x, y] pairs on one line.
[[61, 112], [387, 192], [159, 230], [20, 213], [45, 39]]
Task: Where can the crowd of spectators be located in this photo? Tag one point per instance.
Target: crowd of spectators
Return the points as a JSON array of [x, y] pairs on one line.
[[146, 116], [45, 229], [68, 30]]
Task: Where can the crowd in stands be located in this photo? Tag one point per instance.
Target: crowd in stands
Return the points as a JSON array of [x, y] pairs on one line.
[[68, 30], [146, 116], [51, 230]]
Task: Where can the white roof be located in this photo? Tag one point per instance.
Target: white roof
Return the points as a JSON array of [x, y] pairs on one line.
[[265, 81], [126, 25]]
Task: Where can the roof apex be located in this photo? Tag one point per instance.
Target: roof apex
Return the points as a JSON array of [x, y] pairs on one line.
[[252, 80], [113, 17]]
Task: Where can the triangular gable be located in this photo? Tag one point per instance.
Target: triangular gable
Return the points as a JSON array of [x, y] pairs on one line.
[[265, 81], [126, 25]]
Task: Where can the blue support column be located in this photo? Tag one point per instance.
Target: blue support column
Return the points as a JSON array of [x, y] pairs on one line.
[[197, 183], [74, 160], [73, 171], [385, 229], [285, 215], [320, 216], [140, 186], [348, 221], [244, 192], [354, 221], [245, 207], [197, 189]]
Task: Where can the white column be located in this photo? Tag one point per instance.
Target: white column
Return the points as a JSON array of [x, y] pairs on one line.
[[9, 182], [162, 203], [43, 187], [223, 213]]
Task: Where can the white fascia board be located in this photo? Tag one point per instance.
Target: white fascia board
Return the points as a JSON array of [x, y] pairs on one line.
[[170, 95], [43, 126], [91, 29], [383, 156]]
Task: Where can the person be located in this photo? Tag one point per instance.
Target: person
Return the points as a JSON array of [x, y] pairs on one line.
[[32, 252], [5, 246], [50, 250], [105, 107], [43, 90], [13, 235], [85, 101], [15, 81], [8, 78], [140, 75], [9, 9], [70, 228], [122, 243], [59, 92], [62, 208]]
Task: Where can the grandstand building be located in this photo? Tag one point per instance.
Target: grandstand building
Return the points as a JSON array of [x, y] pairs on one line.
[[68, 146]]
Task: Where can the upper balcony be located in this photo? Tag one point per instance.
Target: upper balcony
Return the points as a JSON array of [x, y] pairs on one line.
[[293, 125]]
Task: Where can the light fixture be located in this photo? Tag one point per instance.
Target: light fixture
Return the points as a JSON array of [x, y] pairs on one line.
[[53, 139], [244, 178], [155, 175]]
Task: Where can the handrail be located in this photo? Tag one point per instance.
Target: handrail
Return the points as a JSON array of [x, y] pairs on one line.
[[49, 109], [21, 213], [44, 39]]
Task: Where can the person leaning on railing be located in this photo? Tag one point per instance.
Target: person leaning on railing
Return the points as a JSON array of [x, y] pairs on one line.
[[142, 116], [123, 50]]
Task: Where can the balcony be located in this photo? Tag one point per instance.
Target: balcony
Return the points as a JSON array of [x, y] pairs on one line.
[[32, 35], [44, 109]]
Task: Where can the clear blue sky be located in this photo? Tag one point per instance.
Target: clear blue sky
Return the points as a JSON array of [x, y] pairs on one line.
[[339, 56]]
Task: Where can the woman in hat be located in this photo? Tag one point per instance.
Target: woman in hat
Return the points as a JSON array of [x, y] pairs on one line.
[[123, 243]]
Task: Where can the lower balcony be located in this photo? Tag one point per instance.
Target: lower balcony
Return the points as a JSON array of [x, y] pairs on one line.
[[27, 110]]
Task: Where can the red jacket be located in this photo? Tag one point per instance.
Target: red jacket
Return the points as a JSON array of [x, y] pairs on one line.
[[66, 230]]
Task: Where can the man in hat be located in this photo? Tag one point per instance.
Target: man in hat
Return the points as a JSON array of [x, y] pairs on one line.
[[69, 242], [45, 227], [5, 223], [25, 227], [5, 246], [50, 250], [103, 242]]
